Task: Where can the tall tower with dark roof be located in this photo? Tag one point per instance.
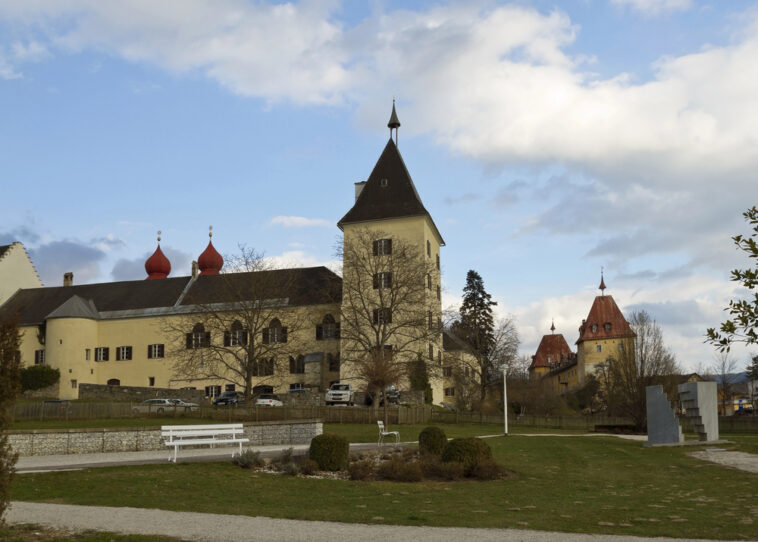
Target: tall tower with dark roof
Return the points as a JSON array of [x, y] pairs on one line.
[[388, 212]]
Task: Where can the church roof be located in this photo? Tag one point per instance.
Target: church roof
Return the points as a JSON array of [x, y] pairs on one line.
[[76, 307], [605, 321], [553, 347], [388, 193], [304, 286]]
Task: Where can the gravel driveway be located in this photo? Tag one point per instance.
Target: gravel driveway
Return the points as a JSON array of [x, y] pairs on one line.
[[201, 527]]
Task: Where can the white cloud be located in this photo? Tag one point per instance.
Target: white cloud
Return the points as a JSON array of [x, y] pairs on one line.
[[298, 222], [299, 258], [7, 71], [655, 7], [32, 51]]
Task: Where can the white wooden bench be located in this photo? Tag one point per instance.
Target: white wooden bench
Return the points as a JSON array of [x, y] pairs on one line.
[[199, 435]]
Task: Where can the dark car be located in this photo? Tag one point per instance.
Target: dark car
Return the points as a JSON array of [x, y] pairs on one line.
[[230, 398]]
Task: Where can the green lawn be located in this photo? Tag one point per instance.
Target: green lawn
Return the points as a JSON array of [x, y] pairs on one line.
[[596, 485]]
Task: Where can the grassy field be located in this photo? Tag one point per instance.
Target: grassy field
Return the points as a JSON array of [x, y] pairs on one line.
[[595, 485]]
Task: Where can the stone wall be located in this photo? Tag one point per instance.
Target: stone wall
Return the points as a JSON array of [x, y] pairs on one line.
[[86, 441], [138, 394], [50, 392]]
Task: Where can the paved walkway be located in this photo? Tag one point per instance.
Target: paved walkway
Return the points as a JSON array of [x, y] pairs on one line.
[[207, 527]]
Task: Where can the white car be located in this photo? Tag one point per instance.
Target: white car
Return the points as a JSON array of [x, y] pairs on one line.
[[268, 399], [179, 404], [159, 406]]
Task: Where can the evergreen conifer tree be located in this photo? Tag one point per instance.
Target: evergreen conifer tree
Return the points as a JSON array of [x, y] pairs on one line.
[[9, 388], [752, 369]]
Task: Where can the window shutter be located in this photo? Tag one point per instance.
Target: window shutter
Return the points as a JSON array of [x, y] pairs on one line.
[[284, 334], [337, 330], [149, 351], [376, 316], [389, 246], [292, 365], [376, 281], [265, 336], [244, 338], [118, 354], [388, 316], [207, 338], [376, 248], [319, 332], [227, 338], [106, 353], [389, 280], [189, 341]]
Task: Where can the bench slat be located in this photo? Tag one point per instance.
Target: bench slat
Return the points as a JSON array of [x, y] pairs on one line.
[[204, 441]]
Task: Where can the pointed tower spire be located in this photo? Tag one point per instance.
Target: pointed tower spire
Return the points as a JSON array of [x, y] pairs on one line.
[[394, 122], [602, 283], [552, 327]]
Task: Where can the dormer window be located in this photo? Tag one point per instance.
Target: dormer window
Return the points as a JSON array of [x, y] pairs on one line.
[[383, 183], [594, 328], [607, 326]]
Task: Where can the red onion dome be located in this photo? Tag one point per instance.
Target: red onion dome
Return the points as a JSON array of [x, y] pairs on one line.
[[157, 265], [210, 261]]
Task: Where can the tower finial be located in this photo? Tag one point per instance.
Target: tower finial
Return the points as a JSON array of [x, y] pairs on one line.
[[602, 282], [394, 122], [210, 231], [552, 326], [159, 237]]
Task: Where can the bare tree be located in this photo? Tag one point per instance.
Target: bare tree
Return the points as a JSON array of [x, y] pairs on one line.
[[10, 363], [238, 324], [389, 312], [648, 363], [724, 369]]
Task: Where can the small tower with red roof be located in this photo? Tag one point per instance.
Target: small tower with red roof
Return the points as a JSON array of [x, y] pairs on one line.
[[157, 266], [210, 261]]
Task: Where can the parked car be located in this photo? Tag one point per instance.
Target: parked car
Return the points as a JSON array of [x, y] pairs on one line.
[[183, 405], [268, 399], [230, 398], [154, 405], [340, 394]]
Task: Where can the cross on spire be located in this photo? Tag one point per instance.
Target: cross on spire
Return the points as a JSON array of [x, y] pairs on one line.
[[394, 122]]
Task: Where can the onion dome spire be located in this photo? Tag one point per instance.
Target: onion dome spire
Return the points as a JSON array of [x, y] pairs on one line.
[[394, 122], [602, 283], [210, 261], [157, 266]]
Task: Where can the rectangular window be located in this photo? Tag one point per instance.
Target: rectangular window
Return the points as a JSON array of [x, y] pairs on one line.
[[382, 280], [212, 391], [428, 248], [431, 352], [155, 351], [430, 318], [86, 354], [230, 387], [382, 316], [439, 292], [235, 337], [101, 353], [123, 353], [438, 261], [598, 348], [198, 339], [297, 386], [327, 331], [74, 384], [428, 281], [449, 392], [39, 357], [382, 247], [151, 381], [447, 371]]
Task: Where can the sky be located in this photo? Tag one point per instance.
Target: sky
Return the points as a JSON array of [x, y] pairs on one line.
[[547, 140]]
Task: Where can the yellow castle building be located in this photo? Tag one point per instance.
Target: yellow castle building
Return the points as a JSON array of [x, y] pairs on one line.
[[302, 325], [604, 334]]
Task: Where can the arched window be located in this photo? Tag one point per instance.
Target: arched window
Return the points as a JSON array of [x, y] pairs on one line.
[[236, 336], [114, 382], [297, 366], [275, 333], [199, 338], [264, 367], [328, 329]]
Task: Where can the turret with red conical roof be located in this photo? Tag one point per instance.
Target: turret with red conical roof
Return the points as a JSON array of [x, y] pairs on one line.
[[157, 266], [210, 261]]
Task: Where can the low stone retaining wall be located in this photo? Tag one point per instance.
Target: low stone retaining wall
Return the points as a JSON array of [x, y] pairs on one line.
[[87, 441], [137, 393]]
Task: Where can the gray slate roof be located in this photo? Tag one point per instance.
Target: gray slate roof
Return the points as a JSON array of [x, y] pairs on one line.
[[76, 307], [306, 286], [398, 198]]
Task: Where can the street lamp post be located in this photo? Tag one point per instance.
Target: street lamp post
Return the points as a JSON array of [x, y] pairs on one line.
[[505, 400]]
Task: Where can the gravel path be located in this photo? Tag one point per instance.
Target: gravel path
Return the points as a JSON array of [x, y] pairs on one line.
[[208, 527], [738, 460]]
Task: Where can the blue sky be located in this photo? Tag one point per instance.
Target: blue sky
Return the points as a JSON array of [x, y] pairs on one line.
[[547, 139]]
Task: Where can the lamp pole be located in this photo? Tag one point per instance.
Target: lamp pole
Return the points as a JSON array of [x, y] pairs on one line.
[[505, 401]]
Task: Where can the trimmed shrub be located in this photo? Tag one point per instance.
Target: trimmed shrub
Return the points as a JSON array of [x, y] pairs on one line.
[[249, 459], [329, 451], [487, 469], [432, 440], [361, 470], [469, 451], [398, 470], [433, 468], [36, 377]]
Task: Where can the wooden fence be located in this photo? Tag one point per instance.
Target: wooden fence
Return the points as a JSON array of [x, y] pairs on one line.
[[402, 415]]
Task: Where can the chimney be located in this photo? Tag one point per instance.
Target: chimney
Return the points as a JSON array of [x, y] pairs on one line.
[[359, 188], [68, 279], [194, 269]]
